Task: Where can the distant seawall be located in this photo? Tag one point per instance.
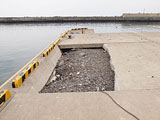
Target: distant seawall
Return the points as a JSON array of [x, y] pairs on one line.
[[122, 18]]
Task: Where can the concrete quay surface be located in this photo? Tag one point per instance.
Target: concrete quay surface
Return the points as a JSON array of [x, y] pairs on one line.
[[83, 106], [135, 60]]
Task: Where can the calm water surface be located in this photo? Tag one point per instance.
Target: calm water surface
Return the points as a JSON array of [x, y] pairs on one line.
[[19, 43]]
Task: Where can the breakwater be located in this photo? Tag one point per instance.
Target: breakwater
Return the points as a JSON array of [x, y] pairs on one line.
[[79, 19]]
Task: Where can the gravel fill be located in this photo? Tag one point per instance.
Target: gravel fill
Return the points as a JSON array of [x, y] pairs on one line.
[[82, 70]]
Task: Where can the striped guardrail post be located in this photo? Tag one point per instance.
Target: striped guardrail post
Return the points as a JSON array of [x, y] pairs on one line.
[[74, 29], [46, 53], [19, 79], [4, 96]]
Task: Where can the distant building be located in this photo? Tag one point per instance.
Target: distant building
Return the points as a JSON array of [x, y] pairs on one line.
[[141, 15]]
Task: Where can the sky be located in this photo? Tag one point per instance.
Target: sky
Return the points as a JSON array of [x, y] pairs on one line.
[[16, 8]]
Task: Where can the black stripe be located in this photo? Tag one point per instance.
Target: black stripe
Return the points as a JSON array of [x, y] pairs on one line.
[[2, 99], [13, 84], [34, 66], [29, 71], [23, 78]]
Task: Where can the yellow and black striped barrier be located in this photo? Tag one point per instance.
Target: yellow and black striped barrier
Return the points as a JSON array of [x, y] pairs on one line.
[[46, 53], [79, 29], [68, 31], [18, 81], [48, 50], [85, 28], [57, 41], [4, 96], [65, 33]]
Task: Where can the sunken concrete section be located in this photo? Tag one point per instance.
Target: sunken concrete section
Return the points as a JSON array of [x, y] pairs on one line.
[[82, 70]]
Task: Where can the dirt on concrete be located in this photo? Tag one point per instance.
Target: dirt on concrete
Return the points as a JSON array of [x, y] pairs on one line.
[[82, 70]]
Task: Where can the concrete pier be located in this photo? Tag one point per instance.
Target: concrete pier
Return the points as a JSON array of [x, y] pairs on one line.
[[135, 60]]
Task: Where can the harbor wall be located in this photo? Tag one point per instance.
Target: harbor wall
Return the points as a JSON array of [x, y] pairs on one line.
[[123, 18]]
